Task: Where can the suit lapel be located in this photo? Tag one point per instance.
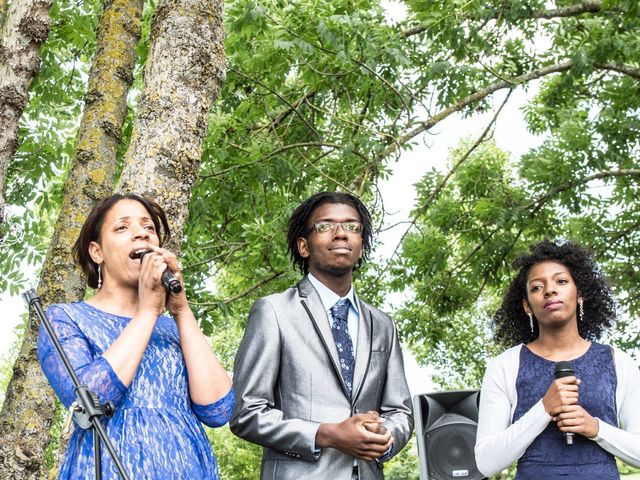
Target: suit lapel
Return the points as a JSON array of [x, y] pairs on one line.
[[313, 305], [363, 353]]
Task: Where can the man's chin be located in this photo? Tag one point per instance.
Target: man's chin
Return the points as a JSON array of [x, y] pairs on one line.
[[337, 270]]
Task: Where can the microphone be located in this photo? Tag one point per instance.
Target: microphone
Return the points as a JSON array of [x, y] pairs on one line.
[[169, 280], [564, 369]]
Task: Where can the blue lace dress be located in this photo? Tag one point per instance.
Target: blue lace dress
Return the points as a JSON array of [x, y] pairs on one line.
[[549, 457], [156, 429]]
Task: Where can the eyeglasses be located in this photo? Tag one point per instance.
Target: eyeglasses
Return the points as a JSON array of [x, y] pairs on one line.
[[349, 227]]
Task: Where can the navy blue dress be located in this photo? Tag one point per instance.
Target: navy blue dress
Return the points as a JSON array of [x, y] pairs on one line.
[[156, 429], [549, 457]]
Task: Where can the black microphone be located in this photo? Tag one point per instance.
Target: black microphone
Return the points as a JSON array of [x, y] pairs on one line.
[[564, 369], [169, 280]]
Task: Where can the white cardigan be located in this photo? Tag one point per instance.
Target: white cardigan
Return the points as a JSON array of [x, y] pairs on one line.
[[499, 443]]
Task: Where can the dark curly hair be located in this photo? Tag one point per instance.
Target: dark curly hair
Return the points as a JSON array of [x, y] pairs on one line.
[[299, 227], [92, 227], [511, 323]]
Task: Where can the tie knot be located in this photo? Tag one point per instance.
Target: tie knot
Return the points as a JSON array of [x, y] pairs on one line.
[[340, 311]]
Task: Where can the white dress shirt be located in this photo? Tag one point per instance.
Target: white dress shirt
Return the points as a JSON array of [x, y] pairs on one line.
[[329, 298]]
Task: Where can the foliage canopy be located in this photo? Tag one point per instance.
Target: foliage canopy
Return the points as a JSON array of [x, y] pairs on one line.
[[327, 95]]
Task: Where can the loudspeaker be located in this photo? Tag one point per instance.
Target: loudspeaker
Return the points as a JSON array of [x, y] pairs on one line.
[[446, 424]]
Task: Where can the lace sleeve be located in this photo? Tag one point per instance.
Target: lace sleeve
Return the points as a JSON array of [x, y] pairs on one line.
[[92, 370], [218, 413]]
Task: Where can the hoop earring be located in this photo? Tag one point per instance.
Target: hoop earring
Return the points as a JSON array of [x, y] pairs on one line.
[[99, 277], [530, 321], [580, 310]]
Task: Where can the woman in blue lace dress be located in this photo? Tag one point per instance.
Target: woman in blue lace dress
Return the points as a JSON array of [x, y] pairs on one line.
[[555, 309], [157, 369]]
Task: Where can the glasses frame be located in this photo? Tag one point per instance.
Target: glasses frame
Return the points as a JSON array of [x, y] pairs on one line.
[[335, 225]]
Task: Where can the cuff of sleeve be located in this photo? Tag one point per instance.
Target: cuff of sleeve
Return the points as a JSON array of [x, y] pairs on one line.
[[597, 436], [537, 417], [217, 413], [386, 456], [316, 452], [303, 446], [540, 411]]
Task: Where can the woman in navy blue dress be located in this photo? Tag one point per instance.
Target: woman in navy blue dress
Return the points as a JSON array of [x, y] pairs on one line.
[[158, 369], [556, 308]]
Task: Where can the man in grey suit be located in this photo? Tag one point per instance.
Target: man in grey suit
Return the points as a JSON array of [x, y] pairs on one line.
[[319, 375]]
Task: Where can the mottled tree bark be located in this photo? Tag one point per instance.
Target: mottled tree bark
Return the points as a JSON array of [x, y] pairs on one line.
[[183, 75], [29, 405], [25, 27]]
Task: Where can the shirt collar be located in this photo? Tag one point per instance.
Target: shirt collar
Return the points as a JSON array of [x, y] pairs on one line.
[[329, 298]]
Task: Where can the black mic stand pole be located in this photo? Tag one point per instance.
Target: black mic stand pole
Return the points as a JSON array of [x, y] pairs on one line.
[[87, 410]]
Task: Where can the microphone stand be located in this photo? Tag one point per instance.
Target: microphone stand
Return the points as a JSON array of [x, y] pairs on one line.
[[86, 409]]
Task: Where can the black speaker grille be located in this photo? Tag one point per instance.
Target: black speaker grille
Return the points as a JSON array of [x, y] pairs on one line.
[[450, 453]]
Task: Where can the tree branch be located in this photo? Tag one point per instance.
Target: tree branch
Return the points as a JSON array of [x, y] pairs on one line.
[[284, 148], [228, 300], [273, 124], [458, 106], [480, 95], [626, 69], [537, 204], [206, 261], [586, 6], [319, 171], [386, 82], [475, 97], [436, 192], [357, 125], [284, 100], [251, 289]]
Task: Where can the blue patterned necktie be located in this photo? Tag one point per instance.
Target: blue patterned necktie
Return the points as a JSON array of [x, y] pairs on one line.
[[340, 330]]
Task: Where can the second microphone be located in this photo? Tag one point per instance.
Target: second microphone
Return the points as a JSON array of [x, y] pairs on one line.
[[565, 369]]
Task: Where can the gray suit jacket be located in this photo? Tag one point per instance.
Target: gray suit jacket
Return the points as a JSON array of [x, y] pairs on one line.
[[288, 380]]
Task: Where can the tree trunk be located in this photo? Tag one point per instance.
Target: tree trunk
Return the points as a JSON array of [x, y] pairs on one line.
[[183, 75], [25, 27], [184, 72], [29, 406]]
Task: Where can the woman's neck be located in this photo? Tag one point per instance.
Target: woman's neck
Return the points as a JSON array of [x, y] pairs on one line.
[[116, 300], [559, 346]]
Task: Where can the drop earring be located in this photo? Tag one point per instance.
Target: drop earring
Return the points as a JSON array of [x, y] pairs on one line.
[[530, 321], [580, 310], [99, 277]]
